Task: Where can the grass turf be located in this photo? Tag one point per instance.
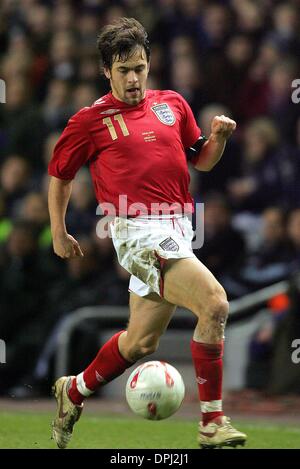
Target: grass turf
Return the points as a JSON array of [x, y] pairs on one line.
[[28, 430]]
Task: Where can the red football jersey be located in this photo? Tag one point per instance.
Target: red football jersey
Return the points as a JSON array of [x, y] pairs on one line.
[[134, 151]]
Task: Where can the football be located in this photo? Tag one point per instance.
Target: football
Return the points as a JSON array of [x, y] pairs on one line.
[[155, 390]]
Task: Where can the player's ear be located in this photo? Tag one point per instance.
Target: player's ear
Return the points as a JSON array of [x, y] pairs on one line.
[[107, 73]]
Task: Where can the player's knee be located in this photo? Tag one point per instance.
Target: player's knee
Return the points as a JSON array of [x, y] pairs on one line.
[[214, 306], [218, 308], [144, 347], [149, 345]]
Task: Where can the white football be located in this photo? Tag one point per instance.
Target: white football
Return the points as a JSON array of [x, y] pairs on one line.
[[155, 390]]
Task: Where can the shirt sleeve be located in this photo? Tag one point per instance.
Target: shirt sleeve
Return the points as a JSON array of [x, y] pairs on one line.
[[190, 132], [73, 149]]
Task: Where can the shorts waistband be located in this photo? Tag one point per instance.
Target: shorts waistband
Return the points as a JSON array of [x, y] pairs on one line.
[[153, 217]]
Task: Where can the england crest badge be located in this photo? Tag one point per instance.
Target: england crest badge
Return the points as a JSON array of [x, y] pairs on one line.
[[164, 113]]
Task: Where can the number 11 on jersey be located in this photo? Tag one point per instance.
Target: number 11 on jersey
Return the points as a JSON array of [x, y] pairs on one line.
[[117, 117]]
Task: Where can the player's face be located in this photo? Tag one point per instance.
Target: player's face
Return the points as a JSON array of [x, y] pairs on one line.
[[128, 79]]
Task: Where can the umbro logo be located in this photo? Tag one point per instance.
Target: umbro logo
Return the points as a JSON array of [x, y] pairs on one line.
[[201, 380], [99, 378], [110, 111]]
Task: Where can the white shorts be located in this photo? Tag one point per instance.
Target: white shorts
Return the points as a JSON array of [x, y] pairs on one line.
[[144, 244]]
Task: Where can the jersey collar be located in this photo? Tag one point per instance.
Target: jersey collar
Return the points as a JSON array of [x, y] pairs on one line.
[[123, 105]]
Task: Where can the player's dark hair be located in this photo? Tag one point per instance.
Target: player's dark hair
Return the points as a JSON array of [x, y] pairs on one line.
[[120, 40]]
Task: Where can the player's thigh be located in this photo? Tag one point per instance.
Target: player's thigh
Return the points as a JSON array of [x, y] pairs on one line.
[[188, 283], [149, 317]]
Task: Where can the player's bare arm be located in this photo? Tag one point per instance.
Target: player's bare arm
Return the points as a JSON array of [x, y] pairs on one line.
[[212, 150], [64, 245]]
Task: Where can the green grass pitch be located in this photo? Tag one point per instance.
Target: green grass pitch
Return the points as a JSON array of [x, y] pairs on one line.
[[32, 430]]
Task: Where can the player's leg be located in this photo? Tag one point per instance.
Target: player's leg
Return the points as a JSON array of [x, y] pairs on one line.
[[192, 285], [188, 283], [149, 317]]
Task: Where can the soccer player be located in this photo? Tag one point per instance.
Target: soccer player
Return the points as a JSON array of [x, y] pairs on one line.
[[135, 141]]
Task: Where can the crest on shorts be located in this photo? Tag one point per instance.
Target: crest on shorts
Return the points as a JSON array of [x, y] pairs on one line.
[[169, 244], [164, 113]]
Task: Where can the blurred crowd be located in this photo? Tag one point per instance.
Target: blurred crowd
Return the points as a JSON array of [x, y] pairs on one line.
[[232, 57]]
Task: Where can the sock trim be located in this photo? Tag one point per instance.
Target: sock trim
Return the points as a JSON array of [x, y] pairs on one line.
[[81, 386], [211, 406]]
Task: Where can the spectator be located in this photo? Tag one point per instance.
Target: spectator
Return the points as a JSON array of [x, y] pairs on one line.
[[223, 250], [5, 222], [57, 108], [21, 120], [84, 94], [257, 186], [279, 101], [186, 79], [34, 209], [286, 26], [63, 56], [269, 262], [273, 247], [15, 182], [82, 210], [293, 229], [23, 299], [81, 285]]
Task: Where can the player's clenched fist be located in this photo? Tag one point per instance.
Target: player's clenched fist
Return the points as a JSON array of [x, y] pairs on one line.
[[222, 126], [66, 246]]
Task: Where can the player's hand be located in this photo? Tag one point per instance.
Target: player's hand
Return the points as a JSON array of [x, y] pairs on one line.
[[222, 127], [65, 246]]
